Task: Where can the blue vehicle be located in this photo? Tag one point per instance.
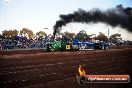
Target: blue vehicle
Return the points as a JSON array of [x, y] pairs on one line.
[[89, 45]]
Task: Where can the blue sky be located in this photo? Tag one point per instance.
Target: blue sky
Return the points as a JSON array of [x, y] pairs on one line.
[[38, 14]]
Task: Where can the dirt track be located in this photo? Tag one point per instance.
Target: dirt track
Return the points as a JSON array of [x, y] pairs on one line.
[[59, 69]]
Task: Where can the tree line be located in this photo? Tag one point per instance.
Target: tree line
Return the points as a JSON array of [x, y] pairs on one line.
[[81, 35], [24, 32]]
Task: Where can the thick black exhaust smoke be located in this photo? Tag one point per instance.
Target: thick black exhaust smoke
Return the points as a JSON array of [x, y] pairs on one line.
[[118, 16]]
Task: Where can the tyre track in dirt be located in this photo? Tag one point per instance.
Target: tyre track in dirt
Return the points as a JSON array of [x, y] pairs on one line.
[[44, 72]]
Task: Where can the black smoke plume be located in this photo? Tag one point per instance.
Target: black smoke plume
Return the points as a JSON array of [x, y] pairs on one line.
[[118, 16]]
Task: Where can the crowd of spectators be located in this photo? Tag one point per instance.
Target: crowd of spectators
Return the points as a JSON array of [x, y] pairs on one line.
[[23, 42], [20, 42]]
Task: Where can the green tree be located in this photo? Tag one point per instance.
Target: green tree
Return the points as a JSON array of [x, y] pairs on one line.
[[26, 31], [115, 38], [41, 34], [10, 33], [69, 35], [102, 37], [14, 32], [82, 35]]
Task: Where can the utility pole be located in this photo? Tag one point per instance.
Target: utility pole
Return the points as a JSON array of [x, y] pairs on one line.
[[6, 5], [108, 33]]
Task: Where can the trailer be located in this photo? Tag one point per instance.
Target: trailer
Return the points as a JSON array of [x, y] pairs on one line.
[[91, 45]]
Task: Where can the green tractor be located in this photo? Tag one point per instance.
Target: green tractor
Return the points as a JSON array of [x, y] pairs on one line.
[[58, 46]]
